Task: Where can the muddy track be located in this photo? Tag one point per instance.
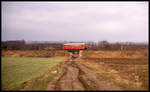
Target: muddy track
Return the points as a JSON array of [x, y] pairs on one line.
[[74, 76]]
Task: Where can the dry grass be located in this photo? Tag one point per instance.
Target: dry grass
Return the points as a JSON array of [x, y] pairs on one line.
[[116, 54], [127, 69], [33, 53]]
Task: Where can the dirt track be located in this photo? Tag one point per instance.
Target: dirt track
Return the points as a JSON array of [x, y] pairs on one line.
[[74, 76]]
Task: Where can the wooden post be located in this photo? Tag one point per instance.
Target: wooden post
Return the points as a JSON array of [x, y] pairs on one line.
[[121, 47], [80, 53]]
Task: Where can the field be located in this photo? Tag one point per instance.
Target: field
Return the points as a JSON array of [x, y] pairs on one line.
[[126, 69], [95, 70], [17, 70]]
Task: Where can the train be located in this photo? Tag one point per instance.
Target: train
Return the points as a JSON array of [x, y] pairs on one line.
[[74, 48]]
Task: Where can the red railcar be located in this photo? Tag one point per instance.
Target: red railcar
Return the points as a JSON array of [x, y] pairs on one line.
[[74, 46]]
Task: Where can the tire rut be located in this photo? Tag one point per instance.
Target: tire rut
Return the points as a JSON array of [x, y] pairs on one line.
[[74, 76]]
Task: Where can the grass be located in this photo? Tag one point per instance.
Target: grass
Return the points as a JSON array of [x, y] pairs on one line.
[[104, 75], [33, 53], [40, 83], [129, 72], [16, 70]]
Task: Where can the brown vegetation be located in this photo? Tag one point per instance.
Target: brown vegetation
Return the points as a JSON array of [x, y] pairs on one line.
[[129, 69], [34, 53]]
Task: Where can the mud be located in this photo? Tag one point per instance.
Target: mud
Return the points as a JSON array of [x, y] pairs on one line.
[[74, 76]]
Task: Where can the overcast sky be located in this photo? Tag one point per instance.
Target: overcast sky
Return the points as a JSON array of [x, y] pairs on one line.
[[75, 21]]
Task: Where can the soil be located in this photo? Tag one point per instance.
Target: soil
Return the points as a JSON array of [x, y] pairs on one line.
[[75, 76]]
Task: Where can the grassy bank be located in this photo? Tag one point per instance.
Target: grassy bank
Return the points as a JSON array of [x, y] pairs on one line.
[[17, 70]]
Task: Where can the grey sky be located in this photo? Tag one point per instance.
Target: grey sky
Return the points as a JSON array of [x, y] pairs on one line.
[[75, 21]]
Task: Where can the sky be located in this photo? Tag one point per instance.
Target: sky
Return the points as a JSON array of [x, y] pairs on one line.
[[75, 21]]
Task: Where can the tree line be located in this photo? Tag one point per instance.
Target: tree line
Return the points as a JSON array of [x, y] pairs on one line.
[[101, 45]]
